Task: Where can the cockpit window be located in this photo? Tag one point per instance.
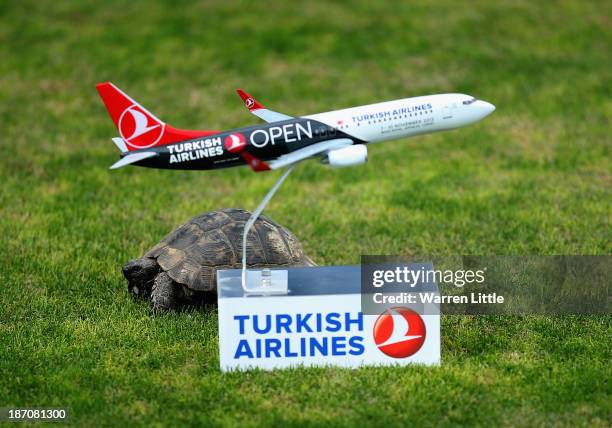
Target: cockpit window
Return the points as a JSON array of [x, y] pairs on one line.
[[470, 101]]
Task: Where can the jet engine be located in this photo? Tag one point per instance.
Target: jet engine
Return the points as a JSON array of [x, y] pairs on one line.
[[347, 156]]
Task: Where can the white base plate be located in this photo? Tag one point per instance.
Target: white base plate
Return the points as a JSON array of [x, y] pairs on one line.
[[259, 284]]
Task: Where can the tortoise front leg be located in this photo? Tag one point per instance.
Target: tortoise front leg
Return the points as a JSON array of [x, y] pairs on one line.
[[165, 294]]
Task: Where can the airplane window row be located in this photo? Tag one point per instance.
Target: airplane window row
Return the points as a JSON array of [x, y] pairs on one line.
[[470, 101], [322, 132], [396, 117]]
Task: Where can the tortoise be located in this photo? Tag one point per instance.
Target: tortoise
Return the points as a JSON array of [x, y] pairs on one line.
[[182, 269]]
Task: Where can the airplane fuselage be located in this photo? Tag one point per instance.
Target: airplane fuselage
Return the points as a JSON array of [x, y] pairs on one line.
[[362, 125], [265, 141]]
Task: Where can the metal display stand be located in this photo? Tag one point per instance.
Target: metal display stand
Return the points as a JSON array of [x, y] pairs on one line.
[[264, 281]]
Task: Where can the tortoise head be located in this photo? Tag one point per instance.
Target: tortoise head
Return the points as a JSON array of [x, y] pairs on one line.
[[140, 274]]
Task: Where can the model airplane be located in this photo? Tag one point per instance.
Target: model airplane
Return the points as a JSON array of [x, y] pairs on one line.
[[337, 137]]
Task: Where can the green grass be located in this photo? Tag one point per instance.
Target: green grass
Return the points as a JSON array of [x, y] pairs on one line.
[[533, 178]]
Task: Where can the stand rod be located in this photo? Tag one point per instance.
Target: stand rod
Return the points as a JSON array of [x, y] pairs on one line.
[[253, 218]]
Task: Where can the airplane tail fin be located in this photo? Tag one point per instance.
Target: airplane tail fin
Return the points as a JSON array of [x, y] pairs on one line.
[[138, 127]]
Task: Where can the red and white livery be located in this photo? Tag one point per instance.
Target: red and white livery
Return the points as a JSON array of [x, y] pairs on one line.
[[337, 138]]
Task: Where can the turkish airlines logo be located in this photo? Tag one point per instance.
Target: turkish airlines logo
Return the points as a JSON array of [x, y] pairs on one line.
[[234, 143], [138, 128], [249, 102], [399, 332]]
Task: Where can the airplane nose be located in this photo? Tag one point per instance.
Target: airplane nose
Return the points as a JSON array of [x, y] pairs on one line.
[[484, 108]]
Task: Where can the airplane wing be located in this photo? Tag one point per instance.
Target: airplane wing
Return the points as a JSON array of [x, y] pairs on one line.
[[129, 159], [309, 151], [259, 110]]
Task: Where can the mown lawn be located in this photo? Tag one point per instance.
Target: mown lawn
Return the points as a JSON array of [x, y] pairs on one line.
[[534, 178]]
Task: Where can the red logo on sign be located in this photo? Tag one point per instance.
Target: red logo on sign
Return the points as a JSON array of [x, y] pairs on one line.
[[138, 128], [235, 143], [399, 332]]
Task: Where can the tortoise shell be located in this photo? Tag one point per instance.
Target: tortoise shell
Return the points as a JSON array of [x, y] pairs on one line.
[[192, 253]]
